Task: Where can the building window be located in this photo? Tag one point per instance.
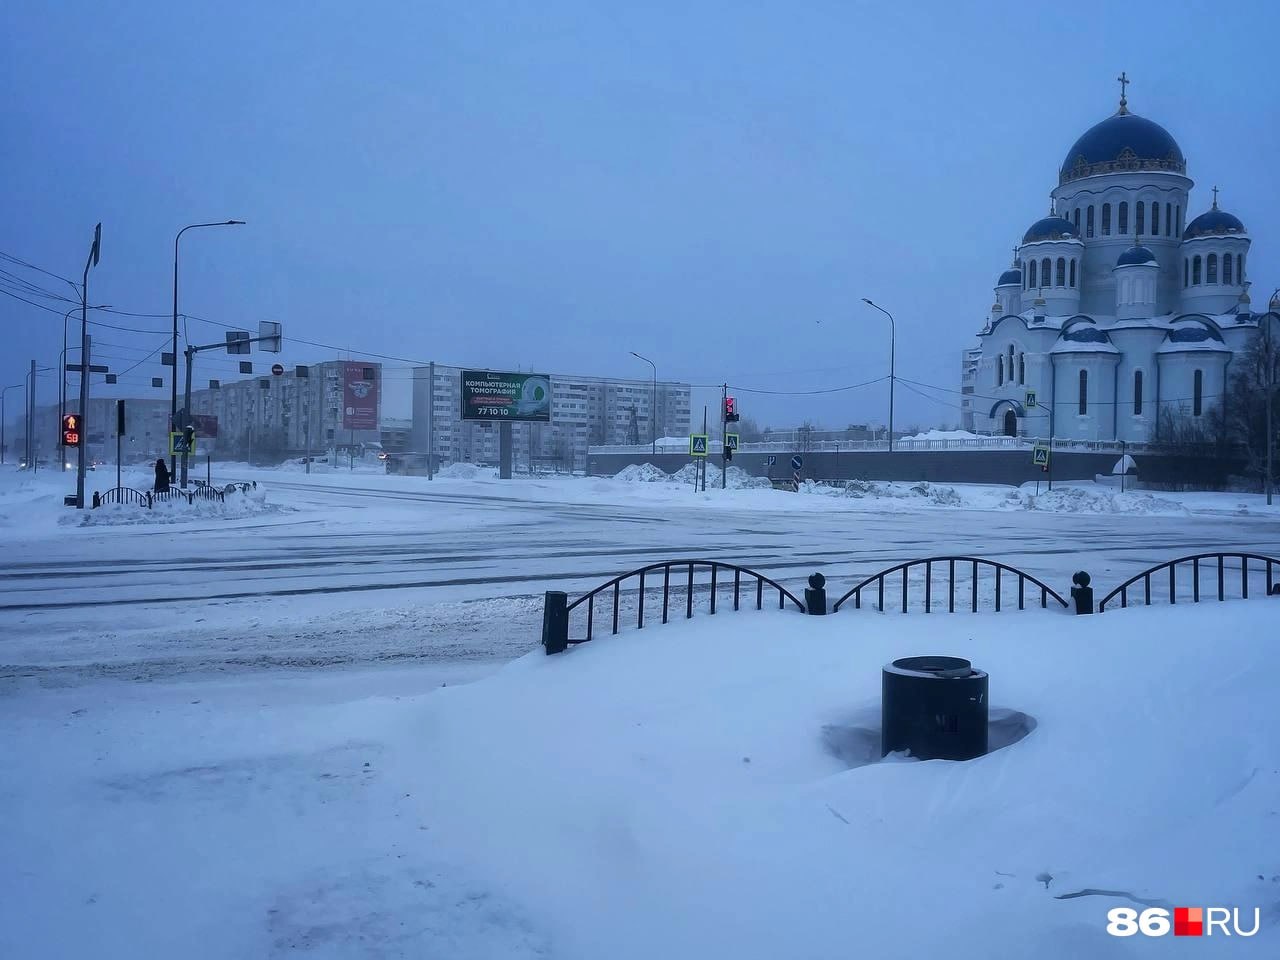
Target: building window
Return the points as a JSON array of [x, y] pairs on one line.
[[1177, 216], [1168, 219], [1073, 271], [1155, 219], [1022, 368], [1240, 264], [1123, 217], [1032, 276], [1089, 230], [1195, 270], [1106, 219], [1137, 393], [1084, 392], [1211, 269], [1197, 394], [1046, 272], [1186, 273], [1139, 215], [1077, 220], [1062, 272], [1226, 268], [1000, 370]]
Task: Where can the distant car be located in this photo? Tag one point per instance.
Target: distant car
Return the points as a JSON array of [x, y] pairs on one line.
[[382, 456]]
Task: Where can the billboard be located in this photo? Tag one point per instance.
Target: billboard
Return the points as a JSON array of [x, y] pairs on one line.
[[359, 396], [487, 395]]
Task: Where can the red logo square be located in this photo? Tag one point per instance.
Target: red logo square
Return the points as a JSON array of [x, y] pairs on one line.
[[1188, 922]]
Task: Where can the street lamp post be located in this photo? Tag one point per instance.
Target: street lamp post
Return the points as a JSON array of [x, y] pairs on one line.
[[653, 403], [2, 417], [1270, 317], [893, 336], [173, 380]]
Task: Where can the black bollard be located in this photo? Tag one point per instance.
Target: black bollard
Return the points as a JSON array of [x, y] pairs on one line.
[[815, 595], [555, 622], [934, 708], [1082, 593]]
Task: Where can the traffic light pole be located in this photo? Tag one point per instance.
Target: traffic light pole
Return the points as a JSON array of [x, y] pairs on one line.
[[85, 361], [185, 412], [724, 436]]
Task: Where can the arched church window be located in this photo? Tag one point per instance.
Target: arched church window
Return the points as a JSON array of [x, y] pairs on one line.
[[1186, 272], [1240, 271], [1211, 269], [1124, 217], [1139, 217], [1000, 370], [1084, 392], [1106, 219], [1022, 368], [1177, 215], [1011, 363], [1195, 270], [1077, 220], [1073, 271], [1155, 219], [1197, 394], [1061, 275], [1226, 268], [1031, 273], [1046, 273], [1137, 393]]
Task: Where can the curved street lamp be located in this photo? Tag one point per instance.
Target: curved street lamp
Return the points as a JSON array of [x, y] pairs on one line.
[[3, 391], [173, 380], [653, 402], [893, 336]]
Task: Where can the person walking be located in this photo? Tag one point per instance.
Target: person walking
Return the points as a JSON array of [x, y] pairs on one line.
[[162, 476]]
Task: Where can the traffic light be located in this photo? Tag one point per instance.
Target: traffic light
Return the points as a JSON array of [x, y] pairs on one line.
[[71, 430], [728, 453], [730, 410]]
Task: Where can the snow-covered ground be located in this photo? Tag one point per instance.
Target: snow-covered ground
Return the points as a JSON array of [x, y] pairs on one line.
[[309, 726]]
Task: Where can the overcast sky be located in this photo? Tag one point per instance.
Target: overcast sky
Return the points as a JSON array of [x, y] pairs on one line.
[[552, 185]]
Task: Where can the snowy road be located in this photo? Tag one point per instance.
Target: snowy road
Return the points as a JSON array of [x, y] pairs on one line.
[[352, 569]]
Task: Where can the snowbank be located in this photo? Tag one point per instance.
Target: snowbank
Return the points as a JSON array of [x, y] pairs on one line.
[[233, 506], [466, 471], [945, 435], [642, 473], [683, 793]]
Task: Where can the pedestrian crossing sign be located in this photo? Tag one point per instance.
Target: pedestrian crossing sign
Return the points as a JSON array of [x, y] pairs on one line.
[[731, 441], [1040, 456], [697, 444]]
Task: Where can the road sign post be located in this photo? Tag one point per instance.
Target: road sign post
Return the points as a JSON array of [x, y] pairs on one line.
[[797, 464], [697, 445]]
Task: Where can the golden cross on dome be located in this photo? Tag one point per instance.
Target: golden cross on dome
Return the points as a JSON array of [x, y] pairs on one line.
[[1124, 83], [1215, 198]]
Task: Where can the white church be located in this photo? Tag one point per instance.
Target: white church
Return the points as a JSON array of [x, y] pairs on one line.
[[1115, 308]]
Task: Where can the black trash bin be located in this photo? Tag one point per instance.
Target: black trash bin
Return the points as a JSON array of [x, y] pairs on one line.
[[935, 708]]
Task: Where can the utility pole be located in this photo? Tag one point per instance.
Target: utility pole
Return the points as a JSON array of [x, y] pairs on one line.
[[893, 337], [85, 361], [431, 418], [31, 410], [3, 447], [653, 402], [1269, 318], [724, 436]]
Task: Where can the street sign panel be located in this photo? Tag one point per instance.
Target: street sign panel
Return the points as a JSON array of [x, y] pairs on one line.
[[157, 381], [1040, 456], [238, 341], [166, 359], [797, 462], [277, 369], [269, 338], [731, 441], [697, 444], [178, 444], [111, 378], [1031, 398], [770, 460]]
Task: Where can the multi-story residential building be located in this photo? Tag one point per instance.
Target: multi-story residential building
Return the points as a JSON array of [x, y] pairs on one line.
[[970, 361], [145, 437], [584, 411]]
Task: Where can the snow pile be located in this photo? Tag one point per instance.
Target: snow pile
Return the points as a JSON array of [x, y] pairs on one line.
[[736, 478], [642, 473], [466, 471], [233, 506], [945, 435], [923, 492], [1083, 500]]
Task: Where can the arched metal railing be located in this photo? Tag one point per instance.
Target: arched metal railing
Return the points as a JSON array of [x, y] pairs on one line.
[[1218, 564], [123, 495], [684, 577], [949, 564]]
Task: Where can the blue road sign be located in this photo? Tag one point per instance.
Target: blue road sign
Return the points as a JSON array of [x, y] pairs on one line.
[[770, 460], [797, 462]]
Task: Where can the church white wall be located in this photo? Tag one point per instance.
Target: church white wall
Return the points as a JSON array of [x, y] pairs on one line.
[[1137, 353], [1177, 380], [1136, 291], [1033, 346], [1060, 299], [1010, 299], [1096, 422]]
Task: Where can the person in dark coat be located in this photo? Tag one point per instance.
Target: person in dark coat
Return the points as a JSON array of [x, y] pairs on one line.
[[162, 477]]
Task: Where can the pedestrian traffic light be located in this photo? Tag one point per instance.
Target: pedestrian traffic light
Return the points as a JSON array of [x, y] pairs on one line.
[[728, 453], [71, 430], [730, 410]]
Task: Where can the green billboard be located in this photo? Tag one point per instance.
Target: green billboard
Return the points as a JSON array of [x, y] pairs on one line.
[[489, 395]]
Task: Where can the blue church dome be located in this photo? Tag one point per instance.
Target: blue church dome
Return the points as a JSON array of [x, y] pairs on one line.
[[1213, 223], [1051, 228], [1120, 143], [1010, 276], [1136, 255]]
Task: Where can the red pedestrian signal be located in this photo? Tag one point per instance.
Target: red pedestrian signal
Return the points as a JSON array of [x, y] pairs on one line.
[[730, 410], [71, 430]]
